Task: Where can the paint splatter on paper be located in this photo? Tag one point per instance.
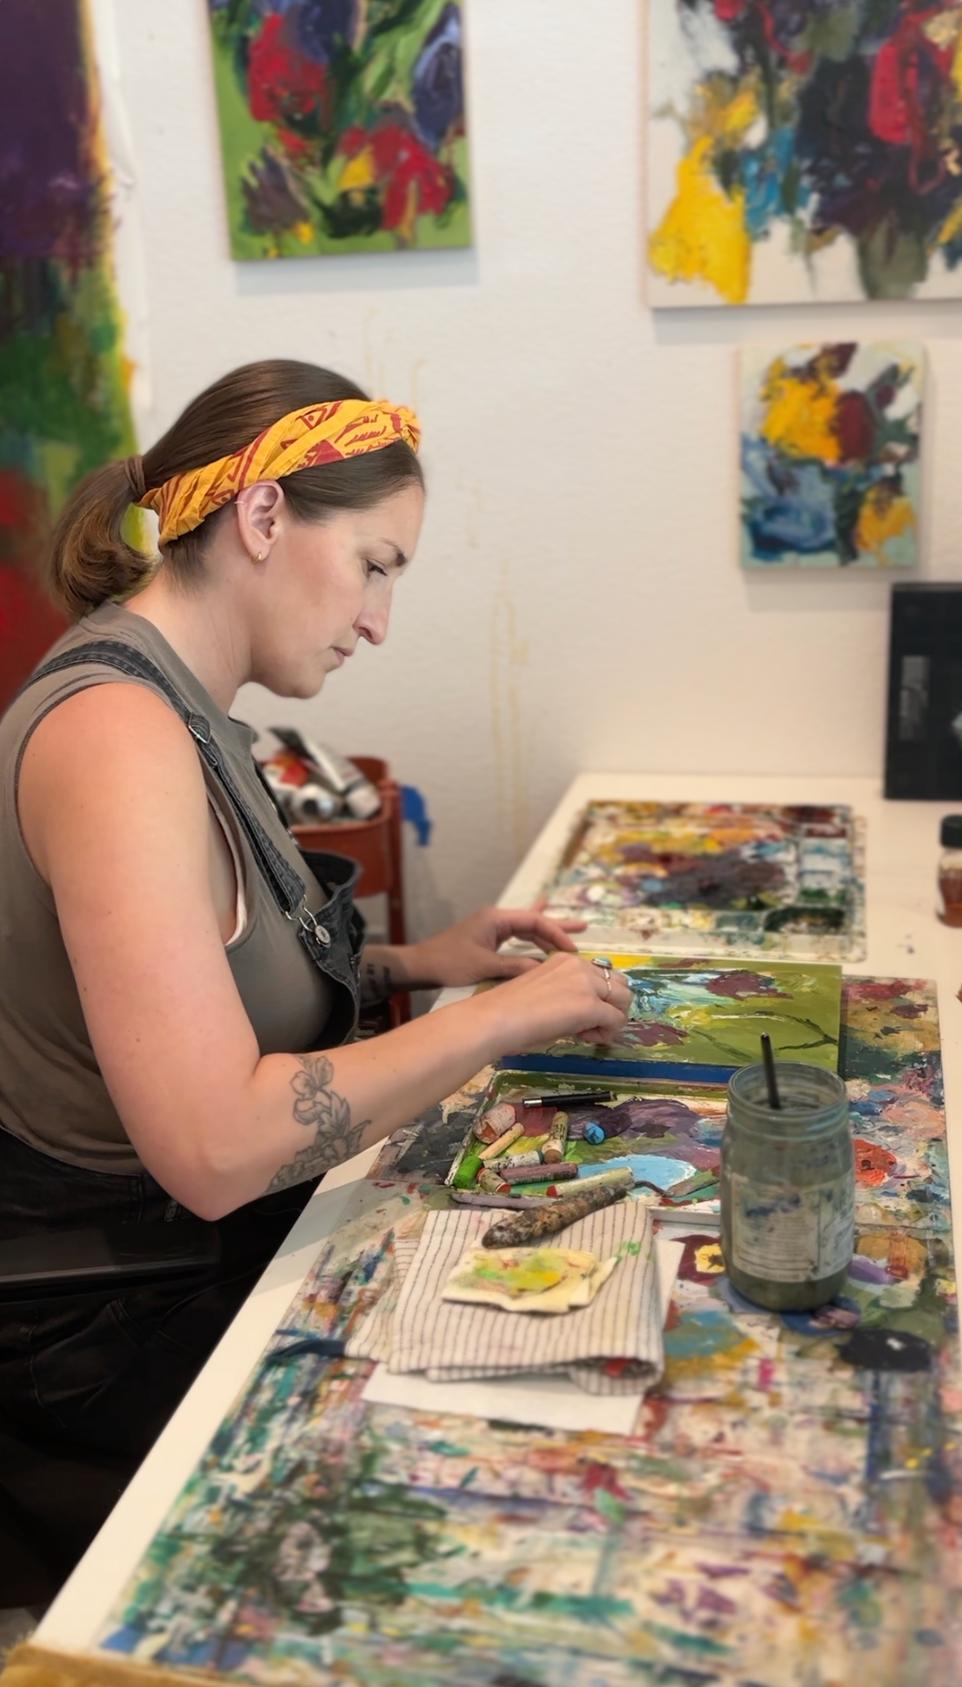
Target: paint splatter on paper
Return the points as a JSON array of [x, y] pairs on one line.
[[342, 125], [805, 151], [787, 1512], [63, 398], [713, 878], [830, 456]]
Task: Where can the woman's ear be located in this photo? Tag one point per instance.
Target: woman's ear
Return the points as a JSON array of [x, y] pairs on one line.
[[258, 518]]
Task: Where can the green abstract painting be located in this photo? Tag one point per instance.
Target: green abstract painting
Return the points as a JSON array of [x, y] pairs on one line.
[[706, 1018], [342, 125]]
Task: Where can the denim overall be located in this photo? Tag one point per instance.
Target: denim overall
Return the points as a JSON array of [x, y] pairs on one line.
[[87, 1381]]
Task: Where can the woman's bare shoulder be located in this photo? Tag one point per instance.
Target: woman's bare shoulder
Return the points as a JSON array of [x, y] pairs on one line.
[[106, 750]]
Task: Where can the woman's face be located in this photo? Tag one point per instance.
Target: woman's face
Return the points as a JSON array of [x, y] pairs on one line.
[[324, 586]]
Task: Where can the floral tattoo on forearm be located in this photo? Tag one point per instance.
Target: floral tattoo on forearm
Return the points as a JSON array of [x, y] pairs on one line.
[[335, 1138]]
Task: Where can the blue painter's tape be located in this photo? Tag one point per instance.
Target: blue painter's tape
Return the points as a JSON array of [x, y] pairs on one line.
[[415, 809], [585, 1066]]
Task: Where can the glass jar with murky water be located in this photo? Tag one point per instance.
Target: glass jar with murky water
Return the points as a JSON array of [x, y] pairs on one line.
[[787, 1187]]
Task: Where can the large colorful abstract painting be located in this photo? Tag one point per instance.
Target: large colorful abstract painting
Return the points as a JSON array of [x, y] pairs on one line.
[[714, 878], [830, 456], [786, 1512], [805, 151], [63, 393], [342, 125]]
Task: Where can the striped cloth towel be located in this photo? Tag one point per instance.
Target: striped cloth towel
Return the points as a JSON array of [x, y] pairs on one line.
[[613, 1346]]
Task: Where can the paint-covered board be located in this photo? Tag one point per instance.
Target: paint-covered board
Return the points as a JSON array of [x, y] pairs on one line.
[[670, 1133], [714, 878], [700, 1020], [805, 152], [63, 395], [829, 455], [786, 1512], [342, 125], [667, 1134]]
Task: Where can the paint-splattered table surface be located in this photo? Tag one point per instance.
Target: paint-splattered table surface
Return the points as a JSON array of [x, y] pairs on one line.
[[800, 1474]]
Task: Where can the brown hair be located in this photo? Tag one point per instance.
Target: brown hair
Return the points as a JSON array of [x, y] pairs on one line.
[[91, 560]]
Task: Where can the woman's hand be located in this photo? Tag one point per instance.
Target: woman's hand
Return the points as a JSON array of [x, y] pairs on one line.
[[565, 996], [468, 953]]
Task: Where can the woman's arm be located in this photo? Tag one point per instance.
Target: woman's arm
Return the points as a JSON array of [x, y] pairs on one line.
[[114, 812], [465, 953]]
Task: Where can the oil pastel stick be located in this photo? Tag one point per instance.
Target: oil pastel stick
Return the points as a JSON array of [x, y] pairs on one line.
[[492, 1183], [617, 1174], [554, 1148], [496, 1149], [467, 1170], [533, 1157], [495, 1122], [520, 1228], [477, 1198], [536, 1174]]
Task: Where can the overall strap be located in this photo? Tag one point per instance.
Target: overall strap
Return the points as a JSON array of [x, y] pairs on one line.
[[286, 886]]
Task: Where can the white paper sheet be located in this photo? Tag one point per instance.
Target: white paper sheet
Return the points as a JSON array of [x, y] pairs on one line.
[[550, 1402]]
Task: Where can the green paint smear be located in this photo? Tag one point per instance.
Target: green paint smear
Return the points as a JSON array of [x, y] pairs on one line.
[[582, 1608], [689, 1642]]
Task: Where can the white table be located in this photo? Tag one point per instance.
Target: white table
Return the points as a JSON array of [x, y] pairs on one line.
[[904, 939]]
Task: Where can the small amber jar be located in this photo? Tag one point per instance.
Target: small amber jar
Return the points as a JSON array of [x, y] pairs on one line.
[[950, 870]]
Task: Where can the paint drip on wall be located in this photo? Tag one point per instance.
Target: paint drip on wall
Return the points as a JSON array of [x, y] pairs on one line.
[[830, 456], [63, 397], [804, 152]]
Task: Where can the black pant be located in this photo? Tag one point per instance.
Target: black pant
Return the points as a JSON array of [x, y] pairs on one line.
[[87, 1381]]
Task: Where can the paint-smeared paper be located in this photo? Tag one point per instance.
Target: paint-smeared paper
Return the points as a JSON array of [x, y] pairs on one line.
[[714, 878], [528, 1280]]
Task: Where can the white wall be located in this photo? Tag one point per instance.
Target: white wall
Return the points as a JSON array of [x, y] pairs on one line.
[[576, 601]]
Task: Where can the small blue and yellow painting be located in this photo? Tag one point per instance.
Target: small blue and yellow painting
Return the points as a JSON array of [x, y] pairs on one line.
[[830, 440]]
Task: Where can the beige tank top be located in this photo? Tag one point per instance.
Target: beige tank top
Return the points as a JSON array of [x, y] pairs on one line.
[[52, 1095]]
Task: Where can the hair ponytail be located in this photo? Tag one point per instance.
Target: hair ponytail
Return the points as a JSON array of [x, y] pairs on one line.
[[90, 559]]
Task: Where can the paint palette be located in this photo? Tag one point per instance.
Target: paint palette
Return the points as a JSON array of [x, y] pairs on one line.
[[715, 877], [698, 1021], [668, 1136]]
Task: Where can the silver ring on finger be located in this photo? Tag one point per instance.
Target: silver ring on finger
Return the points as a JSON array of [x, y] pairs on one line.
[[604, 965]]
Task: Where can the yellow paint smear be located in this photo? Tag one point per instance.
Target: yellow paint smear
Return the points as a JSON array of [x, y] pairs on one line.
[[881, 519], [800, 412], [703, 235]]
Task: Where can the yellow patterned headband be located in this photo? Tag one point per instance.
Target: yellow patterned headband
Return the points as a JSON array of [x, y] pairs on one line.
[[324, 433]]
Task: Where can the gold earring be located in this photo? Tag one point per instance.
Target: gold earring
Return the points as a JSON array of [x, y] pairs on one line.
[[259, 557]]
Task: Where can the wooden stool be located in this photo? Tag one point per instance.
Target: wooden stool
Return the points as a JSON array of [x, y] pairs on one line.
[[376, 847]]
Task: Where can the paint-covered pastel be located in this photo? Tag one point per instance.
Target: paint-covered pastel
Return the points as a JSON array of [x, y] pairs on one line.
[[528, 1227], [495, 1122], [538, 1174], [501, 1144]]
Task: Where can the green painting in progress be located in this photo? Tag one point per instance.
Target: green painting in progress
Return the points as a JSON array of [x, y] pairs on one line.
[[710, 1016], [342, 125]]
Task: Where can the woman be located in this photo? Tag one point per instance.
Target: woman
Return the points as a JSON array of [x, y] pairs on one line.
[[179, 987]]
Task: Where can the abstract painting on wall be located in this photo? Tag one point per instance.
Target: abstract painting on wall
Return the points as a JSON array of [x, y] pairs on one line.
[[830, 456], [63, 393], [804, 152], [342, 125]]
